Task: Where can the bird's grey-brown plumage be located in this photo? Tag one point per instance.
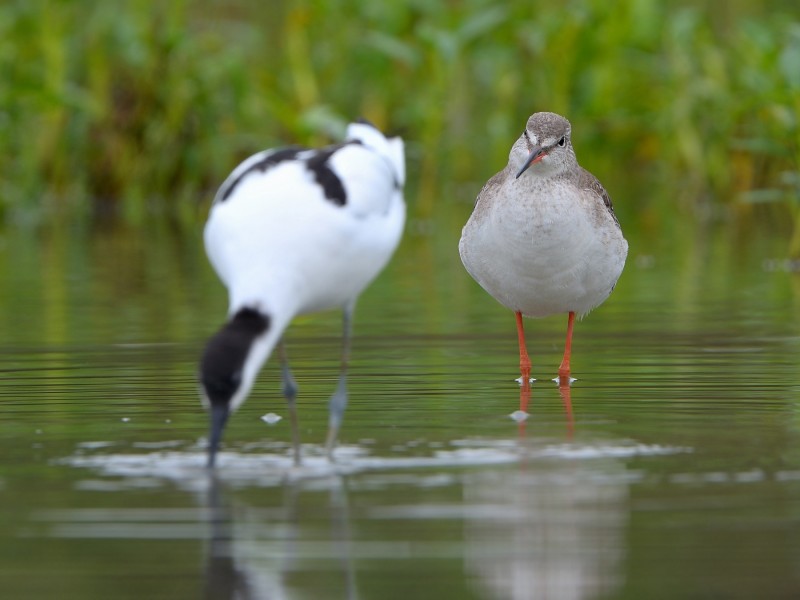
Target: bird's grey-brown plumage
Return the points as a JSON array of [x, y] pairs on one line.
[[543, 238]]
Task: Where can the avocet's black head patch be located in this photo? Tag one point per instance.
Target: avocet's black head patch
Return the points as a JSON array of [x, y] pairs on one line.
[[270, 160], [226, 352]]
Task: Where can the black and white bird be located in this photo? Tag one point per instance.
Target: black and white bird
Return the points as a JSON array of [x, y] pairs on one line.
[[294, 231]]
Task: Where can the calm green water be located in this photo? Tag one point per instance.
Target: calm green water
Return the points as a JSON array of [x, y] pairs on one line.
[[671, 469]]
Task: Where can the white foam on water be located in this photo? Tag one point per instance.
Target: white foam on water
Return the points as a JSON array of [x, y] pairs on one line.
[[274, 466]]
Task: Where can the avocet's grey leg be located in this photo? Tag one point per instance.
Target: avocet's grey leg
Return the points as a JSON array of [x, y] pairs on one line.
[[289, 386], [338, 401]]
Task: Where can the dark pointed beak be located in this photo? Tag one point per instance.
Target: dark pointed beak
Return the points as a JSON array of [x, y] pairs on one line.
[[219, 416], [537, 154]]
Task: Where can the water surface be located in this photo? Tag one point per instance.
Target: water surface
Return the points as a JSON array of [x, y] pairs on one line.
[[670, 469]]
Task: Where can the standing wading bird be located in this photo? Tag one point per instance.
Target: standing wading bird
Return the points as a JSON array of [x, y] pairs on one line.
[[295, 231], [543, 238]]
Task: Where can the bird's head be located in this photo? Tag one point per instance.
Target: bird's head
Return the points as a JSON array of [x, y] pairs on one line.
[[228, 368], [544, 144]]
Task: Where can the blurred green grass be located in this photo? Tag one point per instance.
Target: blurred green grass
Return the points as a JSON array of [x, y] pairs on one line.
[[135, 111]]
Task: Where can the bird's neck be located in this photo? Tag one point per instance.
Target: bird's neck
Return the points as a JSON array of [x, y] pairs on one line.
[[260, 350], [277, 293]]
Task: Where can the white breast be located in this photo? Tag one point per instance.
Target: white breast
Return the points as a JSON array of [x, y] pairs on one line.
[[543, 258]]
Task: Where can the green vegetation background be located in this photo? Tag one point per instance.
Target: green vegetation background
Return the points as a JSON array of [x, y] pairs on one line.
[[135, 111]]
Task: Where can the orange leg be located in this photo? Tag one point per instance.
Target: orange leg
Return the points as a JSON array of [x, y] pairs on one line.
[[524, 360], [563, 370]]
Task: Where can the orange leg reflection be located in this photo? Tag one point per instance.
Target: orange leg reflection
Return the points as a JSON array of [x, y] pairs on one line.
[[524, 400], [565, 391]]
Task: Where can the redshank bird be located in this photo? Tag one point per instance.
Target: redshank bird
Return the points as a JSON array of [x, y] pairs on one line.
[[294, 231], [543, 238]]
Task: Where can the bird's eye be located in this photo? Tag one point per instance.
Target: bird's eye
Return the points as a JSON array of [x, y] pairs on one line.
[[563, 141]]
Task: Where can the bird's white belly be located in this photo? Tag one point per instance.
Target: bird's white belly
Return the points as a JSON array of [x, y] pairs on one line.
[[554, 262]]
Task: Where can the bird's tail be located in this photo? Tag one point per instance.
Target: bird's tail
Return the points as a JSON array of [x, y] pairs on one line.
[[390, 148]]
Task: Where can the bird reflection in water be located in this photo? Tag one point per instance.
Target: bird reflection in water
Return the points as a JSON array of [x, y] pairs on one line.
[[549, 529], [546, 531], [255, 554]]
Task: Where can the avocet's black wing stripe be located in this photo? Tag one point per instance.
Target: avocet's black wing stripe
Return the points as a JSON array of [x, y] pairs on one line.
[[269, 160], [317, 162], [331, 184]]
